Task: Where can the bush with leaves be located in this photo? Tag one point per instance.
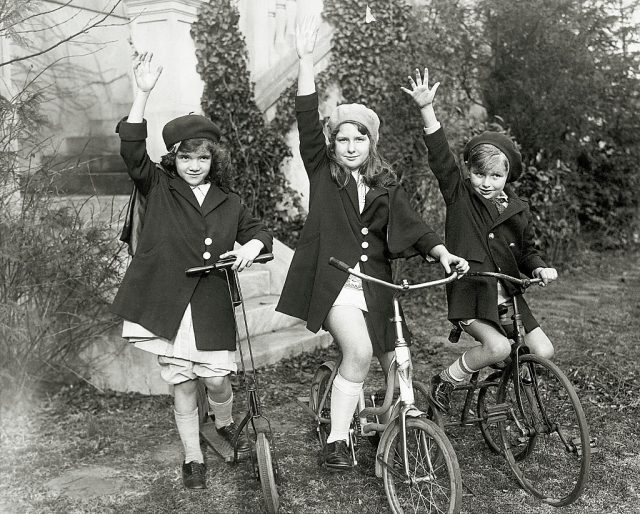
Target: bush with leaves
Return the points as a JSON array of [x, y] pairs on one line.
[[557, 74], [560, 73], [58, 268], [257, 151]]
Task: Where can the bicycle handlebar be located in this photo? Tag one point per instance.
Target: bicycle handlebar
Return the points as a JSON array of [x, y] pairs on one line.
[[405, 286], [227, 262], [522, 282]]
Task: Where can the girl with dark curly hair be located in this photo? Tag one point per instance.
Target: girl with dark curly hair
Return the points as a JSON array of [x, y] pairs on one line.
[[192, 218]]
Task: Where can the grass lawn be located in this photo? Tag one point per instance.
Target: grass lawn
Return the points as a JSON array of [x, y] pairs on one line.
[[128, 446]]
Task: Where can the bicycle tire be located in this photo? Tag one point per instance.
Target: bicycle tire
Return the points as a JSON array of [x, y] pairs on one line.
[[442, 482], [486, 396], [551, 459], [319, 384], [267, 474]]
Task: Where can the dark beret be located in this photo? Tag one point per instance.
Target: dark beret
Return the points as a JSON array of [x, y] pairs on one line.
[[504, 144], [191, 126]]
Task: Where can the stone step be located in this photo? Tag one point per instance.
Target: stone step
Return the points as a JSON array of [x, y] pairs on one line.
[[275, 346], [118, 365], [262, 317], [81, 145], [255, 282], [107, 184], [93, 163]]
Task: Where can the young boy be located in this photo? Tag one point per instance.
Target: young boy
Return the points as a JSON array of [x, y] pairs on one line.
[[490, 226]]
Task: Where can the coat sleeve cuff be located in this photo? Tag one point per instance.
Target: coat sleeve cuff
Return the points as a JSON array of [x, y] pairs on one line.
[[132, 131], [426, 243], [436, 139], [266, 240], [307, 102], [533, 263]]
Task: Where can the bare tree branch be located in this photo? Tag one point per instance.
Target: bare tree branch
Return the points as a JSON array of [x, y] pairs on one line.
[[65, 39]]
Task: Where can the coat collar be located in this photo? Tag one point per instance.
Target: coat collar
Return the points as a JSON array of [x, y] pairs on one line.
[[515, 206], [372, 194], [214, 197], [352, 193]]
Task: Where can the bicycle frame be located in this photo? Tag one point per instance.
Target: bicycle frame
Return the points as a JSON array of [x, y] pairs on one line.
[[518, 347], [401, 367]]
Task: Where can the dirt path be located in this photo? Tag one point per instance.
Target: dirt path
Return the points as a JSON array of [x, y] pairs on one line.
[[81, 451]]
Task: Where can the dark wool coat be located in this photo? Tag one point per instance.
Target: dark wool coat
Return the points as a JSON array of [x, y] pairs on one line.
[[178, 234], [387, 228], [488, 240]]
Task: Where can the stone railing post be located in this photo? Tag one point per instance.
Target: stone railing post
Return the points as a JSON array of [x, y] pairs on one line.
[[163, 27]]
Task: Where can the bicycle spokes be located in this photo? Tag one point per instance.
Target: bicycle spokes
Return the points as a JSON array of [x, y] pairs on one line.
[[546, 438], [418, 470]]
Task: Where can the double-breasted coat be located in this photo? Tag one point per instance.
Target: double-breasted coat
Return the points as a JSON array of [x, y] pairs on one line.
[[178, 234], [387, 228], [490, 241]]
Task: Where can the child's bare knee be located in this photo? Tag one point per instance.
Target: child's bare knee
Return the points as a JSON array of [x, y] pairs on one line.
[[500, 348], [539, 344], [187, 387], [217, 384]]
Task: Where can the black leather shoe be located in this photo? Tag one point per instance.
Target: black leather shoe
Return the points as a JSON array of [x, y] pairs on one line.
[[229, 432], [441, 393], [193, 475], [337, 456]]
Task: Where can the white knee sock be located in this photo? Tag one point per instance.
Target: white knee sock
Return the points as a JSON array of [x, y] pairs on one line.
[[458, 371], [189, 431], [222, 411], [344, 399]]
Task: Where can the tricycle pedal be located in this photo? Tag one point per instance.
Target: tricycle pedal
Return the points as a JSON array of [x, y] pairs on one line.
[[496, 413]]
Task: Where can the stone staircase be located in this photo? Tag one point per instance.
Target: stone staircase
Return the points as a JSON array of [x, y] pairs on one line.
[[117, 365], [91, 166]]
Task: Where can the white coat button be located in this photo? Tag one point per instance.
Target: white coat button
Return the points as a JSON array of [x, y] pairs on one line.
[[206, 255], [208, 241], [491, 235], [364, 258], [365, 244], [364, 231]]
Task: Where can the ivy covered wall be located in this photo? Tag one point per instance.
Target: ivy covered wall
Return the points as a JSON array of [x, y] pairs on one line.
[[256, 150]]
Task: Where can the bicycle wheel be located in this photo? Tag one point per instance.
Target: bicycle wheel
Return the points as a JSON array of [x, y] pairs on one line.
[[547, 443], [267, 474], [488, 398], [319, 385], [434, 483]]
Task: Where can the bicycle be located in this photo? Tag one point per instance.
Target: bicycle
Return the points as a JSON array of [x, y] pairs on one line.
[[530, 413], [262, 455], [416, 461]]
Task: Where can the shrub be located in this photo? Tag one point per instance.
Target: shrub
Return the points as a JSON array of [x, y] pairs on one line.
[[257, 151]]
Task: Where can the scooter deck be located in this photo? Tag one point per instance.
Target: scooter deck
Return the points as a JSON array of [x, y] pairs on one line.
[[219, 444]]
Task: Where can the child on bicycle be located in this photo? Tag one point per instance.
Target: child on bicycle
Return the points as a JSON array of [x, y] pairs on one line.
[[491, 227], [358, 213], [192, 218]]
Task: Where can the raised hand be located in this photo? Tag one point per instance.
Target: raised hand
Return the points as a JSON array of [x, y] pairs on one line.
[[420, 92], [306, 36], [146, 76]]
